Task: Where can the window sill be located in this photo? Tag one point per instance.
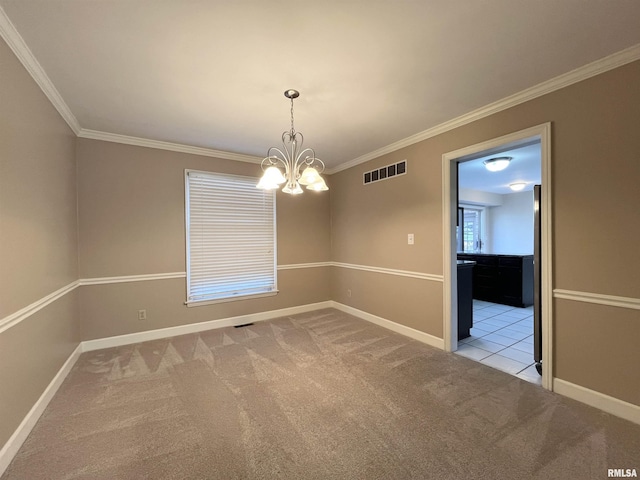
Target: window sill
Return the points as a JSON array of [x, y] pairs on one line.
[[201, 303]]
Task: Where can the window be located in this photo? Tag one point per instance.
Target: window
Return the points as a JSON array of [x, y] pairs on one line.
[[231, 238], [472, 230]]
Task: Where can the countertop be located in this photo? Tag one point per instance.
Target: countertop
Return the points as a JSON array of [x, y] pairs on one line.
[[462, 263]]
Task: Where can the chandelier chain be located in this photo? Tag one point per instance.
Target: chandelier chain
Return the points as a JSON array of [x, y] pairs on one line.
[[292, 129]]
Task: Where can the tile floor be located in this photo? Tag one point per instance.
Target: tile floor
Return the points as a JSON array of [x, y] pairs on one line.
[[502, 337]]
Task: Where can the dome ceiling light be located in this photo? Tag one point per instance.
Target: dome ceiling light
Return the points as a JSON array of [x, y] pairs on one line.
[[498, 163]]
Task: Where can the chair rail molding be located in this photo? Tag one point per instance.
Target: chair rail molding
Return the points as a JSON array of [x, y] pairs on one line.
[[390, 271], [15, 318], [598, 298]]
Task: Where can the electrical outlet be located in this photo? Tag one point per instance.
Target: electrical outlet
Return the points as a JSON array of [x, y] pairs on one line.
[[410, 239], [142, 314], [349, 293]]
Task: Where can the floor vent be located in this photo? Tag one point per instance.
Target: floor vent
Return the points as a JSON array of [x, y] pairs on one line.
[[384, 173], [243, 325]]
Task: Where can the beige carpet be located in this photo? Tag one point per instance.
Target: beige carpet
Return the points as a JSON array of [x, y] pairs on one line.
[[321, 395]]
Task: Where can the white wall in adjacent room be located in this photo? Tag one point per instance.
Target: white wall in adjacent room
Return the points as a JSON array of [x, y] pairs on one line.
[[511, 225]]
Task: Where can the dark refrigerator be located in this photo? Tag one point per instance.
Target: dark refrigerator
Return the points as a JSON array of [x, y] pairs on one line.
[[537, 278]]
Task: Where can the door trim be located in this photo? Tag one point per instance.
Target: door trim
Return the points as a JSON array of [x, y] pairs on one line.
[[540, 133]]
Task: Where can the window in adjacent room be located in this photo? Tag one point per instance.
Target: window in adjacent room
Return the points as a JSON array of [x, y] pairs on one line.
[[231, 238], [472, 229]]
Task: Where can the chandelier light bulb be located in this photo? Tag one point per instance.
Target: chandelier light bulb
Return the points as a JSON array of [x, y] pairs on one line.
[[274, 175], [293, 188], [309, 176], [271, 179], [266, 185], [318, 186]]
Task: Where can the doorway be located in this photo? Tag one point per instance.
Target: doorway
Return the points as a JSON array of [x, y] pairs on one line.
[[452, 232]]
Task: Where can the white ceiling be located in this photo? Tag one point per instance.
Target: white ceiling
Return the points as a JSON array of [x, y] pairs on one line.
[[525, 166], [371, 73]]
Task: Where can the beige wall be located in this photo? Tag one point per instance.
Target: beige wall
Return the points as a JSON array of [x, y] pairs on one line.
[[38, 240], [369, 226], [370, 222], [131, 222], [38, 252], [415, 303], [596, 172]]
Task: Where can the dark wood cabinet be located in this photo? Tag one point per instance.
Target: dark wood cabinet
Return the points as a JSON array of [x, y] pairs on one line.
[[515, 280], [465, 298], [485, 278], [505, 279]]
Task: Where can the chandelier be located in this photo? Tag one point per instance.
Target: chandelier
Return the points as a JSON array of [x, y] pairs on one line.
[[301, 167]]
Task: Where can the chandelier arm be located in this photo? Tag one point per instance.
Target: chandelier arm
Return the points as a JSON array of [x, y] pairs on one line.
[[310, 161], [292, 143], [270, 160], [275, 159], [276, 149], [301, 143], [305, 161], [285, 160], [279, 162], [296, 141], [291, 136], [321, 164]]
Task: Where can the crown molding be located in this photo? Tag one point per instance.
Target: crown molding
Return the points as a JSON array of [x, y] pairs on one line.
[[21, 50], [605, 64], [174, 147]]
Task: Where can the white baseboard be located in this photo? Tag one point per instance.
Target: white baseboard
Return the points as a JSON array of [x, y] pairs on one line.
[[22, 432], [100, 343], [608, 404], [396, 327]]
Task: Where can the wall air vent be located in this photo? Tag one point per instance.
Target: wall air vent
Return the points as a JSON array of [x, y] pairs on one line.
[[383, 173]]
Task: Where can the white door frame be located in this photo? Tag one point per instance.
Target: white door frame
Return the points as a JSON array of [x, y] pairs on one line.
[[449, 187]]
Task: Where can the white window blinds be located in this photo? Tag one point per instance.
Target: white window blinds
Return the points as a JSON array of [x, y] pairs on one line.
[[231, 237]]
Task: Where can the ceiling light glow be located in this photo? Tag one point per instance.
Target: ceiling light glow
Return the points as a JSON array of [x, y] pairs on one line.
[[498, 163]]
